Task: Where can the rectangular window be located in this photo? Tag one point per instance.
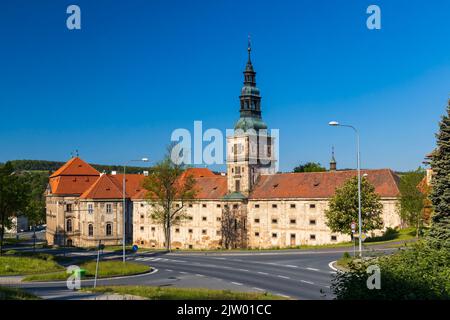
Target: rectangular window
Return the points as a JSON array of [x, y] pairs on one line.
[[293, 221], [292, 205], [274, 206], [69, 207], [235, 206], [218, 205], [312, 237], [274, 220], [312, 206], [90, 208], [219, 219], [190, 218], [190, 231], [238, 185], [333, 238], [238, 170], [218, 232], [177, 230], [204, 231], [256, 234], [204, 205], [312, 222], [153, 228], [108, 208], [257, 220], [256, 206], [274, 235], [190, 205], [142, 216], [142, 205], [190, 246], [142, 228], [203, 218]]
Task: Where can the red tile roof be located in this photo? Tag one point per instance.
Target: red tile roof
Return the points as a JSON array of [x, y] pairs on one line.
[[320, 184], [71, 185], [106, 187], [75, 167]]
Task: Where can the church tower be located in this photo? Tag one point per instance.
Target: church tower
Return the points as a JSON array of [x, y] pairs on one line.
[[250, 150]]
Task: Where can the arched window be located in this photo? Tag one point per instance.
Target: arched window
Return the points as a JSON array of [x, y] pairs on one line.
[[90, 230], [108, 229], [69, 225]]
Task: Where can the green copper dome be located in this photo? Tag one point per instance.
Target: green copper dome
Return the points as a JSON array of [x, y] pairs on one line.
[[247, 123]]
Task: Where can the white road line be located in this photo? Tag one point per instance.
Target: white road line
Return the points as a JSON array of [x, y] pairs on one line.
[[259, 289], [284, 277], [331, 266], [242, 270], [139, 259], [199, 275], [183, 272], [308, 282], [291, 266], [155, 259], [147, 259], [169, 270], [313, 269], [265, 273], [219, 258], [282, 295], [237, 283]]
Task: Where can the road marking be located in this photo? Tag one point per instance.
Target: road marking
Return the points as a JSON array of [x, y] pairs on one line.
[[183, 272], [313, 269], [242, 270], [147, 259], [199, 275], [262, 272], [259, 289], [284, 277], [282, 295], [331, 266], [308, 282], [291, 266], [155, 259], [219, 258], [139, 259], [237, 283]]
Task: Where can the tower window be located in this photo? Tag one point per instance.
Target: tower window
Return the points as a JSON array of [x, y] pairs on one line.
[[108, 229], [90, 230], [238, 185]]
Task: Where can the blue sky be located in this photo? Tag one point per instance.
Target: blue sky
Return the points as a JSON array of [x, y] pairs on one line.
[[137, 70]]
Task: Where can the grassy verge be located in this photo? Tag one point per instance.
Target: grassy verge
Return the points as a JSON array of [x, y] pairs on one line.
[[16, 294], [106, 269], [164, 293], [12, 265]]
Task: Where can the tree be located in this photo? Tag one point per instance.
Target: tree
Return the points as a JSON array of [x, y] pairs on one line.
[[13, 193], [309, 167], [233, 229], [411, 203], [35, 204], [169, 188], [439, 234], [343, 207]]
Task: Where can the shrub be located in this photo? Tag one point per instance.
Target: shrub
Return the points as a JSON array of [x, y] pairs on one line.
[[421, 272]]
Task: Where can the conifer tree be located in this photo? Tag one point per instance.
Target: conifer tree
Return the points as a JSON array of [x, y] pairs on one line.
[[439, 234]]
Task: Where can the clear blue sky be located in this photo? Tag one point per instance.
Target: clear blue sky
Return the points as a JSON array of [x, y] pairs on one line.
[[137, 70]]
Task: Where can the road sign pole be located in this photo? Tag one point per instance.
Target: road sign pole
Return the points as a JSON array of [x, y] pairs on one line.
[[98, 259]]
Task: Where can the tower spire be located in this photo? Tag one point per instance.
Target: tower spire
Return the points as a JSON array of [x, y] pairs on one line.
[[333, 160]]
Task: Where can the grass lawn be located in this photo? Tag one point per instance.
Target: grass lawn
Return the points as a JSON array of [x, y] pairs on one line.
[[165, 293], [105, 269], [16, 294], [12, 265]]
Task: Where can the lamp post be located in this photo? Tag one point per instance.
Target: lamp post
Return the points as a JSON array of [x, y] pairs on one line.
[[123, 204], [337, 124]]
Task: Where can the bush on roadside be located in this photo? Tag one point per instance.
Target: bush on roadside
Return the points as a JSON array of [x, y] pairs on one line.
[[421, 272]]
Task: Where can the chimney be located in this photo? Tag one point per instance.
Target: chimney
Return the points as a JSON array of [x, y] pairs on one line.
[[145, 173], [113, 173]]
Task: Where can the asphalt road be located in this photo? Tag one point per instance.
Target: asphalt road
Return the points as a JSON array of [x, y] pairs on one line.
[[297, 274]]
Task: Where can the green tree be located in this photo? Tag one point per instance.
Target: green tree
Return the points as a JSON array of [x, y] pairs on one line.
[[439, 234], [13, 195], [309, 167], [343, 207], [169, 190], [411, 202]]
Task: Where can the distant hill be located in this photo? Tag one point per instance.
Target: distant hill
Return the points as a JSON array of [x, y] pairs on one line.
[[51, 166]]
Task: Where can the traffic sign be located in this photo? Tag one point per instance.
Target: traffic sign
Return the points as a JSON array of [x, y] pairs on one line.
[[135, 248], [353, 226], [363, 236]]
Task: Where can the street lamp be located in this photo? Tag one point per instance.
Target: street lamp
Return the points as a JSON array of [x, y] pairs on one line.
[[123, 203], [337, 124]]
